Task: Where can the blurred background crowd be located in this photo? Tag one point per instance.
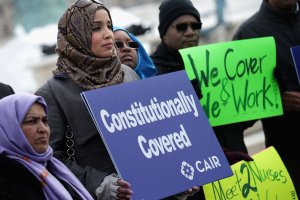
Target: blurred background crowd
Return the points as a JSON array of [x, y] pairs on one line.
[[28, 35]]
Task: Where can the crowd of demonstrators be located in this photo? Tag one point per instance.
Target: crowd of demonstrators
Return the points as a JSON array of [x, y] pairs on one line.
[[132, 53], [5, 90], [87, 59], [281, 19], [93, 54], [28, 169]]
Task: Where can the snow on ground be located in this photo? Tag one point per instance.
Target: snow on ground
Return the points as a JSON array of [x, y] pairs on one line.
[[22, 51]]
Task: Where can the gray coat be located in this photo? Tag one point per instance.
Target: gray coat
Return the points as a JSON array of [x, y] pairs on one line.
[[92, 161]]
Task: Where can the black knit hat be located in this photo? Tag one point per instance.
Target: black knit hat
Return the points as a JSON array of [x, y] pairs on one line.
[[169, 10]]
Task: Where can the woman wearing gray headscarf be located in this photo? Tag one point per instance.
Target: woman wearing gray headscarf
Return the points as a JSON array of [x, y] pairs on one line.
[[87, 60]]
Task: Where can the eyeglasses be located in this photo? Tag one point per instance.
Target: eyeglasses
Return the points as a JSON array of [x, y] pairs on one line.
[[84, 3], [133, 45], [182, 27]]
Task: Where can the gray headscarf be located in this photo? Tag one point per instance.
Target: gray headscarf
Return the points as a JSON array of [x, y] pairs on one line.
[[76, 60]]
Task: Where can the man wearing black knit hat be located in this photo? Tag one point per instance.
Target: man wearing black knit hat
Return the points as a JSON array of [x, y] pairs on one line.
[[179, 27]]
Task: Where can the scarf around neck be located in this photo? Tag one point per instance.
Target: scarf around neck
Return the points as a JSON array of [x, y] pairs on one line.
[[14, 145], [76, 60], [167, 60]]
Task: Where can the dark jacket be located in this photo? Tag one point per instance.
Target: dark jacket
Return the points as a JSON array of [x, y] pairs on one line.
[[167, 60], [17, 182], [229, 136], [5, 90], [281, 131]]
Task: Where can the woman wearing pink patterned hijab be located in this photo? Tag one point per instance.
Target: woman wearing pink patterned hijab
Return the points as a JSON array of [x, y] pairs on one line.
[[27, 168]]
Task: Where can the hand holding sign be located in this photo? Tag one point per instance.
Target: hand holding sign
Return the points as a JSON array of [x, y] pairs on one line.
[[160, 141], [236, 156], [291, 99]]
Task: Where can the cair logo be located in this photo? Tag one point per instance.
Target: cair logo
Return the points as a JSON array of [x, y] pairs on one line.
[[203, 165], [187, 170]]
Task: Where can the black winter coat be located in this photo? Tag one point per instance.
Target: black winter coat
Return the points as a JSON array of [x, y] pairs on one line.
[[17, 182]]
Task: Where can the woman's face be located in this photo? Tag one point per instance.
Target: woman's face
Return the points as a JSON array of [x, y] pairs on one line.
[[127, 55], [36, 129], [102, 36]]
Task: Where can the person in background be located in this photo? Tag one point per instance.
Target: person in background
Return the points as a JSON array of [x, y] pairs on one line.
[[5, 90], [281, 19], [220, 7], [28, 169], [132, 53], [179, 27], [87, 60]]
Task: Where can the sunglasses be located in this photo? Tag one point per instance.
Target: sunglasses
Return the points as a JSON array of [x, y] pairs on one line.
[[182, 27], [133, 45], [84, 3]]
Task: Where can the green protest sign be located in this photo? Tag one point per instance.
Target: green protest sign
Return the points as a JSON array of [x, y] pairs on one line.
[[236, 79]]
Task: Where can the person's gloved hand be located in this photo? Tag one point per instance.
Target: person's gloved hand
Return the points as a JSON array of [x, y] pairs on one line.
[[112, 187], [236, 156]]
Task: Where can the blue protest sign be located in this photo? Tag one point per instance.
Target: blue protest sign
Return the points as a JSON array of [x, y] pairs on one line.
[[296, 56], [158, 135]]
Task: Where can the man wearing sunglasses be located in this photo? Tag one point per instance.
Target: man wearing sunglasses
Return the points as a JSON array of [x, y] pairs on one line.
[[179, 27]]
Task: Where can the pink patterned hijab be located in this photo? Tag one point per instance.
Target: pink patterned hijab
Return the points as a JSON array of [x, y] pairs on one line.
[[76, 60], [14, 145]]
